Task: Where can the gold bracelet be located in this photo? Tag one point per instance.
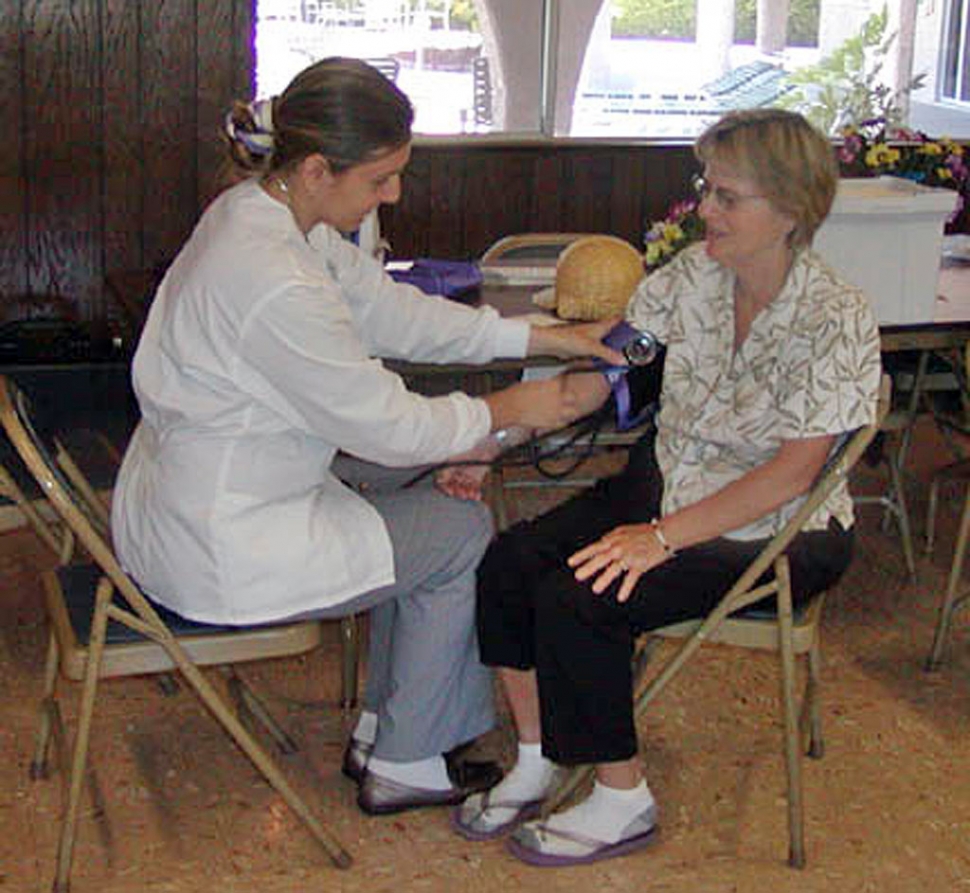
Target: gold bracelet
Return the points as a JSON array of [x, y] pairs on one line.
[[658, 532]]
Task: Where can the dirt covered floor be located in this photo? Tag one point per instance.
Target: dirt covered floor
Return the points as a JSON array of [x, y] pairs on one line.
[[175, 808]]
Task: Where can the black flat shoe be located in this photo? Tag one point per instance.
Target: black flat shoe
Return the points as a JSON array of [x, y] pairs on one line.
[[383, 796], [356, 755], [473, 775]]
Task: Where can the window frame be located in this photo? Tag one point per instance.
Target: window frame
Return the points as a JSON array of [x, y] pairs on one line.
[[958, 10]]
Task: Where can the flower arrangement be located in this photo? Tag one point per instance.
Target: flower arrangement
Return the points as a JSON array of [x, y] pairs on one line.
[[869, 150], [873, 149], [665, 238]]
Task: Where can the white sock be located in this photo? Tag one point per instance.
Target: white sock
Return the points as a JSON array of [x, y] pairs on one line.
[[366, 730], [605, 812], [529, 779], [430, 774]]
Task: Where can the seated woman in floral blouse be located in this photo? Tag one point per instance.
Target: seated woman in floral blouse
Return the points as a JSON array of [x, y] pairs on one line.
[[770, 356]]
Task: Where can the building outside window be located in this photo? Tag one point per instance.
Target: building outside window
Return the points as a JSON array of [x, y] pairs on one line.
[[955, 74], [616, 69]]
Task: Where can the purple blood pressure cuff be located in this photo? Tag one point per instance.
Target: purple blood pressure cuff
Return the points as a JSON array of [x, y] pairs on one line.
[[458, 280], [635, 388]]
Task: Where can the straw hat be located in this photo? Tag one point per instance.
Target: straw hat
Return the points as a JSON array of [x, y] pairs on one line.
[[595, 277]]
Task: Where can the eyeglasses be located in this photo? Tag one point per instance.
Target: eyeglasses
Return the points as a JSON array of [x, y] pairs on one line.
[[726, 199]]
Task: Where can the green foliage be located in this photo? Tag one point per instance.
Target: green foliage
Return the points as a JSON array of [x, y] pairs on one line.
[[671, 19], [464, 17], [461, 17], [802, 22], [846, 88], [677, 19]]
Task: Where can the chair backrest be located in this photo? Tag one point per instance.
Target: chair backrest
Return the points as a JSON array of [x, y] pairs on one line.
[[530, 248], [58, 539], [44, 456], [847, 451]]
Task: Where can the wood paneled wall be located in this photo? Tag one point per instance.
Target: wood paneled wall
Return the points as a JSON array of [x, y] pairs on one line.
[[111, 150], [112, 139], [460, 198]]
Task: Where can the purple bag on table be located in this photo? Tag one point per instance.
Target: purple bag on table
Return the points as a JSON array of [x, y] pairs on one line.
[[455, 279]]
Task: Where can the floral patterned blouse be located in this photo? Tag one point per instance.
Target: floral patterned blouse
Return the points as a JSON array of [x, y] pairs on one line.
[[809, 366]]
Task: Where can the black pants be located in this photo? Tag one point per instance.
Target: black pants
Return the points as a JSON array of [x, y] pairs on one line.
[[533, 614]]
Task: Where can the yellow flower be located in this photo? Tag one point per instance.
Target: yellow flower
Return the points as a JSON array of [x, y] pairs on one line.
[[944, 173], [655, 252], [672, 232], [881, 154], [930, 149]]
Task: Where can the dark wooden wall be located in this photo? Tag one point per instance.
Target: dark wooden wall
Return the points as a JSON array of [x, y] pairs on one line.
[[111, 136], [460, 198], [111, 149]]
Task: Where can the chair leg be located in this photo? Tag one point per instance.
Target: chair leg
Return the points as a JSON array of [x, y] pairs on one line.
[[816, 744], [796, 852], [250, 709], [902, 516], [953, 583], [573, 780], [349, 661], [167, 684], [40, 765], [498, 498], [65, 848], [931, 508], [263, 762]]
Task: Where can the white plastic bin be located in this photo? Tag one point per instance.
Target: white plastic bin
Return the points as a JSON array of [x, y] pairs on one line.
[[884, 235]]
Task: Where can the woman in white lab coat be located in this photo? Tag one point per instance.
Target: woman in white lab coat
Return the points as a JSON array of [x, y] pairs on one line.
[[259, 362]]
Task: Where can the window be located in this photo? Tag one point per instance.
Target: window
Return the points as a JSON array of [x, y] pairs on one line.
[[433, 50], [956, 48], [609, 68]]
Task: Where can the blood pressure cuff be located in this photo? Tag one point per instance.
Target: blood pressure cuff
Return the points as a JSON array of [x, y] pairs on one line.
[[458, 280], [635, 390]]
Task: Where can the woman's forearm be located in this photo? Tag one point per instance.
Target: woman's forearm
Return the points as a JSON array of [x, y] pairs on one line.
[[546, 405], [789, 474]]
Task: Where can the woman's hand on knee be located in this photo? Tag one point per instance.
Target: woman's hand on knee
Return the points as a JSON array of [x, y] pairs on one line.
[[626, 553]]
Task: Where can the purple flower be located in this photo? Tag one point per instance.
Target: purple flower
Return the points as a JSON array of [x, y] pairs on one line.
[[679, 210], [957, 167]]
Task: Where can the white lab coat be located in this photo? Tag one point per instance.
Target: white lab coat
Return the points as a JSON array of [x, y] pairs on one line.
[[255, 366]]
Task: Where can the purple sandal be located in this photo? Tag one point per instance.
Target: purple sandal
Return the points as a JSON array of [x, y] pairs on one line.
[[466, 825], [527, 843]]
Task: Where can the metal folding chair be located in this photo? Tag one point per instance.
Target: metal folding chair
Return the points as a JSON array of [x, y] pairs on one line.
[[102, 625]]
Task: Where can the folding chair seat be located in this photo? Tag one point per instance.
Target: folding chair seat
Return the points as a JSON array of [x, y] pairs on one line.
[[789, 633], [102, 625]]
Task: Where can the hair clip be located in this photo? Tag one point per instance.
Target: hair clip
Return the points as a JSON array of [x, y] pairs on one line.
[[257, 142], [262, 112]]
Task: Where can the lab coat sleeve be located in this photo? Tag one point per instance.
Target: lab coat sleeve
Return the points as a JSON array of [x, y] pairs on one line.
[[399, 321], [301, 353]]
